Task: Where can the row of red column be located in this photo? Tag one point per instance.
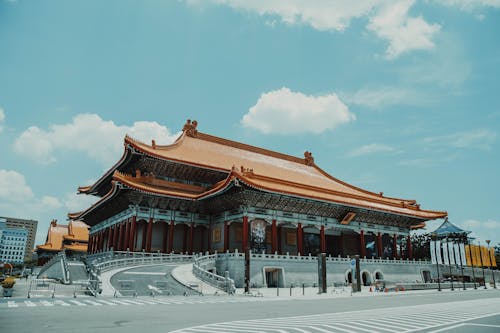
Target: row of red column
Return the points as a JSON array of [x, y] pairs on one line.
[[379, 245], [123, 236], [276, 241]]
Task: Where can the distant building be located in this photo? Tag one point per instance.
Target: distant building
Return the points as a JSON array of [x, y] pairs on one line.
[[72, 237], [30, 226], [12, 244]]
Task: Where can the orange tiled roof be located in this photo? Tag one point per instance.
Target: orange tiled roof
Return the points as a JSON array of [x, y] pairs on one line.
[[57, 233], [260, 168], [77, 231]]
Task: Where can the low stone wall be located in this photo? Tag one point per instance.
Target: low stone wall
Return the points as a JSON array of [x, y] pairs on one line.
[[298, 270]]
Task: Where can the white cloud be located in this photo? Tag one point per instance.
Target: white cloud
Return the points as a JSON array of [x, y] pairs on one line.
[[13, 187], [323, 15], [480, 139], [17, 197], [284, 111], [389, 19], [101, 140], [404, 33], [482, 230], [2, 118], [78, 202], [470, 5], [372, 148], [50, 202], [378, 98]]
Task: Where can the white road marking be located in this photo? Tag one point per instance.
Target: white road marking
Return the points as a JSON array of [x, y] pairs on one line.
[[59, 302], [46, 303], [105, 302], [145, 273], [132, 302], [92, 302], [395, 319], [77, 303], [29, 303], [12, 304]]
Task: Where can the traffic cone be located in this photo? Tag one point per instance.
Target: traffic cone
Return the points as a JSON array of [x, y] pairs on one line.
[[371, 289]]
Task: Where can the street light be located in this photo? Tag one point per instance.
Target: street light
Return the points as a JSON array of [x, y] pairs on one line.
[[457, 241], [482, 266], [434, 238], [472, 264], [449, 263], [491, 265]]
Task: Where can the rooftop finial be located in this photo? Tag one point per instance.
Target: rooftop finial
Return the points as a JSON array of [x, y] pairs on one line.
[[190, 128], [309, 158]]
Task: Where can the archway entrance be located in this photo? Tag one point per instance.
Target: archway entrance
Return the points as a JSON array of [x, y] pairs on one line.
[[366, 278]]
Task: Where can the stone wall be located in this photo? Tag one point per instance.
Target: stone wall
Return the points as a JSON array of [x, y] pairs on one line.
[[298, 270]]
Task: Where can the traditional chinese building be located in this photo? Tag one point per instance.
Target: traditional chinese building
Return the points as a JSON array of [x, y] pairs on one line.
[[205, 193], [72, 237]]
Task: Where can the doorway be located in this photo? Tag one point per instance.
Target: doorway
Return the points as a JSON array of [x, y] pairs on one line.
[[273, 277]]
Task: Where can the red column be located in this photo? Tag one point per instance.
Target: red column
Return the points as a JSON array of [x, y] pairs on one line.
[[322, 239], [379, 245], [409, 250], [116, 236], [110, 237], [89, 245], [131, 241], [171, 237], [280, 229], [299, 239], [164, 237], [202, 239], [274, 237], [191, 234], [127, 236], [101, 240], [144, 236], [362, 243], [395, 246], [120, 238], [245, 233], [341, 241], [209, 240], [149, 235], [226, 236]]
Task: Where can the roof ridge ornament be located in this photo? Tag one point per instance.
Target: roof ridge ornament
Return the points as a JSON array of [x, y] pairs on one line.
[[309, 159], [190, 128]]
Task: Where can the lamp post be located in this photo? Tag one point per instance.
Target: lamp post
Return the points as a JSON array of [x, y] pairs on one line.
[[491, 265], [457, 240], [472, 264], [434, 237], [449, 263], [482, 266]]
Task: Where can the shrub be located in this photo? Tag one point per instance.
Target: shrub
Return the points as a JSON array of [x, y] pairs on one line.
[[8, 282]]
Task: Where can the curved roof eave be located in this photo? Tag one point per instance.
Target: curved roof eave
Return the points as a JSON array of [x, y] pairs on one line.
[[436, 214]]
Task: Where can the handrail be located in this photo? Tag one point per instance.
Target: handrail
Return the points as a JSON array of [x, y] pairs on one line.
[[329, 258], [60, 256], [224, 283]]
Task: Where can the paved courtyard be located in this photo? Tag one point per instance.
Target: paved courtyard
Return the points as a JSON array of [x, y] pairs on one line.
[[459, 311]]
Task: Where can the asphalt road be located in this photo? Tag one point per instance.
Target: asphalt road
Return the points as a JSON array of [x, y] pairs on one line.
[[470, 311], [145, 280]]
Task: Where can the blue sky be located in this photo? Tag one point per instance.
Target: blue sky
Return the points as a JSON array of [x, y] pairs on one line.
[[394, 96]]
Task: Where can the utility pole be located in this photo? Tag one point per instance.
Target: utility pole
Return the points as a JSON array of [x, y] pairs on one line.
[[482, 265], [491, 265]]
